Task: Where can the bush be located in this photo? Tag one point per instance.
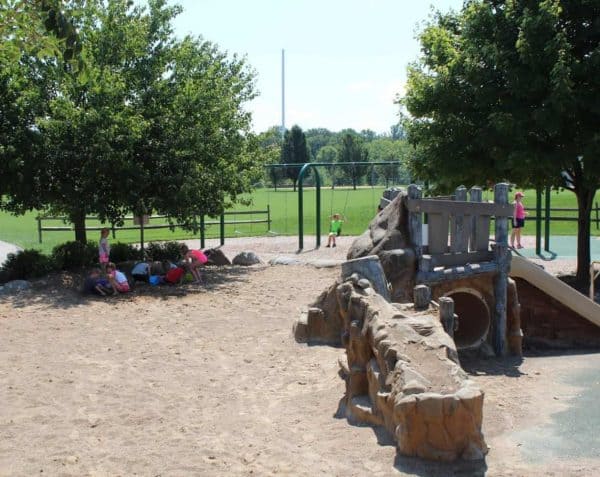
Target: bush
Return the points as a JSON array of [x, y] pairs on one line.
[[122, 252], [72, 255], [26, 264], [164, 251]]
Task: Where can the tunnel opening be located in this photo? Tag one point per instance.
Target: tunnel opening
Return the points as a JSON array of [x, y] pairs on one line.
[[473, 318]]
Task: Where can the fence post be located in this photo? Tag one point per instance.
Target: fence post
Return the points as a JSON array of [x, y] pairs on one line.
[[202, 237], [268, 217], [222, 228], [142, 235], [538, 221], [114, 234], [547, 221], [39, 221]]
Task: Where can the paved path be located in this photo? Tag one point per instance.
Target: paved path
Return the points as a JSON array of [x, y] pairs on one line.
[[5, 249]]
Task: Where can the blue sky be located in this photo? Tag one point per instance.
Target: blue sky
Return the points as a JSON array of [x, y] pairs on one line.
[[345, 59]]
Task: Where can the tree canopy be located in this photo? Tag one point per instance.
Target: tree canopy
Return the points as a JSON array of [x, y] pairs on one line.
[[157, 125], [509, 90], [294, 151]]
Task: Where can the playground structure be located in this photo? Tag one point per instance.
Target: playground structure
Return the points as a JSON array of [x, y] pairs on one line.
[[407, 285]]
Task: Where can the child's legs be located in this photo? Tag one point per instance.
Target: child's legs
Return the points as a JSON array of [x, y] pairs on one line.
[[196, 271], [518, 236]]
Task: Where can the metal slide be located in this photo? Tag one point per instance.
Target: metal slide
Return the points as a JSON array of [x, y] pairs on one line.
[[552, 286]]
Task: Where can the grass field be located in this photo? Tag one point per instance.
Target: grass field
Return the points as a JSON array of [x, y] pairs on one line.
[[359, 206]]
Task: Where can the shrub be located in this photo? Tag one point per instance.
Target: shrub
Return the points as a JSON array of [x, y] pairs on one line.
[[26, 264], [122, 252], [164, 251], [72, 255]]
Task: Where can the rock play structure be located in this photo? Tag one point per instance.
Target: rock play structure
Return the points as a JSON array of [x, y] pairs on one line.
[[422, 282]]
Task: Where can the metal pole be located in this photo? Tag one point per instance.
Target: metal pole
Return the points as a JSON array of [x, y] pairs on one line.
[[142, 234], [39, 221], [222, 229], [547, 221], [282, 92], [202, 237], [318, 211], [538, 221]]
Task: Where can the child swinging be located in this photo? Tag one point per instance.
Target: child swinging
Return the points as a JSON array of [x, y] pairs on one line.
[[335, 229]]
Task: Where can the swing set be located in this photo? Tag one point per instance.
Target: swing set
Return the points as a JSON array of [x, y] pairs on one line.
[[304, 169]]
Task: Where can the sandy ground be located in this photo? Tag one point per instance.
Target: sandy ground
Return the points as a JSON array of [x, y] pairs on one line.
[[209, 381]]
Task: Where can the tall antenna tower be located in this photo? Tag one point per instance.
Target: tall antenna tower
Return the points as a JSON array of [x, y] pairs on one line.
[[282, 92]]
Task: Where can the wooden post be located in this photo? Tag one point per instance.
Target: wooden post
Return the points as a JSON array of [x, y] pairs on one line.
[[415, 225], [421, 297], [459, 240], [475, 195], [447, 314], [502, 258]]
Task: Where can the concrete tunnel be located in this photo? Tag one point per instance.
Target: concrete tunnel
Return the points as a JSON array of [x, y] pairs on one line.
[[474, 318]]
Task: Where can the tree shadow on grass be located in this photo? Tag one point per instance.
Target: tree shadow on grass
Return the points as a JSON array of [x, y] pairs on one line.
[[64, 290]]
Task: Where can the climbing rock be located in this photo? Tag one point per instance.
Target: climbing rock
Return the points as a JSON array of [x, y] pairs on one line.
[[246, 259], [216, 257], [15, 286]]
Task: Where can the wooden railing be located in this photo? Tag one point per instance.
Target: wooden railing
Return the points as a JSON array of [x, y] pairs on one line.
[[221, 221]]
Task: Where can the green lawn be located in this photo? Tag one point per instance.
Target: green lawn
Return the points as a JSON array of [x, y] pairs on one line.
[[359, 206]]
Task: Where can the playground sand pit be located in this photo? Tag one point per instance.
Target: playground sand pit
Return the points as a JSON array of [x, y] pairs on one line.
[[209, 381]]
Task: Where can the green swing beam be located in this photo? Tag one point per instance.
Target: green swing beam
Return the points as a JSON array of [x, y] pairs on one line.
[[302, 173], [304, 168]]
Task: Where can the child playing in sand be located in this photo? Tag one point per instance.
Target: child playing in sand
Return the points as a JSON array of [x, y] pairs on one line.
[[335, 229], [103, 249], [118, 280], [518, 222], [193, 260], [94, 283]]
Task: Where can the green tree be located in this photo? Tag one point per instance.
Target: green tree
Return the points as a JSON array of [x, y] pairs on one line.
[[158, 125], [352, 150], [388, 149], [509, 90], [270, 143], [329, 154], [294, 151]]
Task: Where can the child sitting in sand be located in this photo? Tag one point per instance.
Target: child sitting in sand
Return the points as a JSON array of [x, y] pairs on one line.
[[117, 279], [94, 283]]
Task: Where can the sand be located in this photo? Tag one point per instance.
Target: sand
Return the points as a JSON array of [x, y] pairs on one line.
[[209, 381]]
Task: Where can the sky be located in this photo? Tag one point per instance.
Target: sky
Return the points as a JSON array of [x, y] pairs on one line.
[[345, 60]]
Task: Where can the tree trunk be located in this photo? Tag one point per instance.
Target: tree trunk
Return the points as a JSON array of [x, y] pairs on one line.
[[78, 219], [585, 199]]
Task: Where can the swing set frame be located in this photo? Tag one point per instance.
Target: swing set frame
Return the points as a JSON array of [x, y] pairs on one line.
[[304, 168]]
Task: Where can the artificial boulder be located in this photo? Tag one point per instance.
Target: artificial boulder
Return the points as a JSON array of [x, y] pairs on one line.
[[246, 259], [401, 372], [216, 257], [388, 238]]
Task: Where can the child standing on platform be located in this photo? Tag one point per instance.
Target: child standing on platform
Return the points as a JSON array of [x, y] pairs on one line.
[[518, 222]]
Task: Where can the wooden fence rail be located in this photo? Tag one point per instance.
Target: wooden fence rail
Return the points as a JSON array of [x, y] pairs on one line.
[[221, 221]]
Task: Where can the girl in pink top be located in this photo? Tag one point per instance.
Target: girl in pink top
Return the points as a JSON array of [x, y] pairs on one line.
[[518, 222], [194, 259]]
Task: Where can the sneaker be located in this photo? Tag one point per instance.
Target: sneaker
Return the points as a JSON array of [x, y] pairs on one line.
[[327, 246], [520, 246], [333, 245]]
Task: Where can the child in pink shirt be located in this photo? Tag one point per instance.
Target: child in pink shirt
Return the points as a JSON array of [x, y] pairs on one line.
[[518, 222]]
